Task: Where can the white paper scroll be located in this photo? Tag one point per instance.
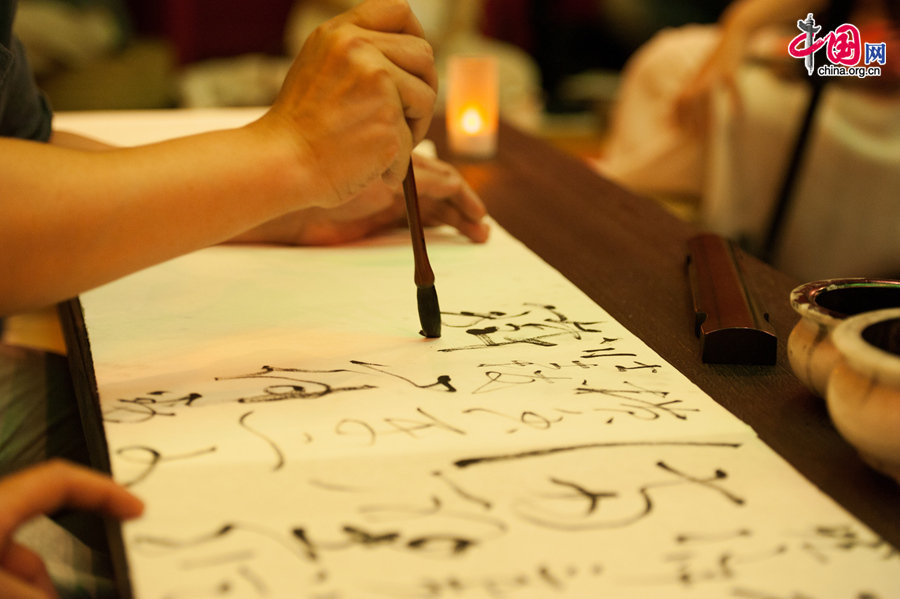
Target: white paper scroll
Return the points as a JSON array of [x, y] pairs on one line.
[[294, 437]]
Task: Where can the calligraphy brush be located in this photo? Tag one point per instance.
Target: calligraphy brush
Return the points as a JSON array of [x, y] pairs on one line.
[[426, 295]]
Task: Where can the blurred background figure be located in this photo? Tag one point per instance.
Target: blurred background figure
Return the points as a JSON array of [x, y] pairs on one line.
[[85, 55], [707, 117], [559, 59], [63, 34], [450, 27]]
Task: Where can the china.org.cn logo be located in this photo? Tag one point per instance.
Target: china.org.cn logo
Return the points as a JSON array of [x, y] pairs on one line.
[[843, 47]]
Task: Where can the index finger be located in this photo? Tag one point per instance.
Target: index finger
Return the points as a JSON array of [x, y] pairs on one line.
[[389, 16], [440, 180], [45, 488]]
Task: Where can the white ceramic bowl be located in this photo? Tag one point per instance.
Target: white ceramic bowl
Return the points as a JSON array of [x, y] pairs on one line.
[[863, 392], [822, 305]]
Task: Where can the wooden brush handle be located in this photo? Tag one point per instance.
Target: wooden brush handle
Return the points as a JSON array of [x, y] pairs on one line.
[[423, 275]]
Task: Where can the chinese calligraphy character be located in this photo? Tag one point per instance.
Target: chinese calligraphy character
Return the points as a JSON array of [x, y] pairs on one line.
[[876, 53], [843, 45], [499, 329]]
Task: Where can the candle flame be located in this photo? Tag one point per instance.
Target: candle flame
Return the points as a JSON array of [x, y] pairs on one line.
[[472, 122]]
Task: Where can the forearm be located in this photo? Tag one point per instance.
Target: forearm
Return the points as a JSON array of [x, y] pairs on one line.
[[66, 139], [71, 220], [356, 100]]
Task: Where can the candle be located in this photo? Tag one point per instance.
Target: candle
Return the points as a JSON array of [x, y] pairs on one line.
[[472, 105]]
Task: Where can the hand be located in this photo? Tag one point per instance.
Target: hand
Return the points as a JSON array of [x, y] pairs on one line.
[[358, 97], [44, 489], [444, 198], [692, 105]]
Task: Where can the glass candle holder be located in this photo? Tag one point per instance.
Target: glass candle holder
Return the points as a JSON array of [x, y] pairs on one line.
[[472, 105]]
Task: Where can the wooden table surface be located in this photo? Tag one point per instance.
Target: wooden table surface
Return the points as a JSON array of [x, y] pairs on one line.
[[628, 254]]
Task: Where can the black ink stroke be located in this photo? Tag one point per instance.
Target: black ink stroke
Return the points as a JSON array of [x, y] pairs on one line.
[[255, 580], [846, 539], [442, 383], [435, 508], [337, 487], [724, 566], [696, 537], [704, 482], [498, 329], [152, 459], [160, 545], [409, 426], [220, 589], [498, 380], [606, 352], [537, 453], [296, 387], [213, 561], [539, 580], [531, 419], [279, 455], [638, 504], [635, 405], [653, 368], [460, 491], [142, 409]]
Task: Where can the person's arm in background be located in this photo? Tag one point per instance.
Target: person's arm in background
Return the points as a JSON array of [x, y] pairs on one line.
[[740, 21], [354, 104]]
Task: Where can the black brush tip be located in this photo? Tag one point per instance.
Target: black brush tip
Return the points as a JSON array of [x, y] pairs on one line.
[[429, 311]]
